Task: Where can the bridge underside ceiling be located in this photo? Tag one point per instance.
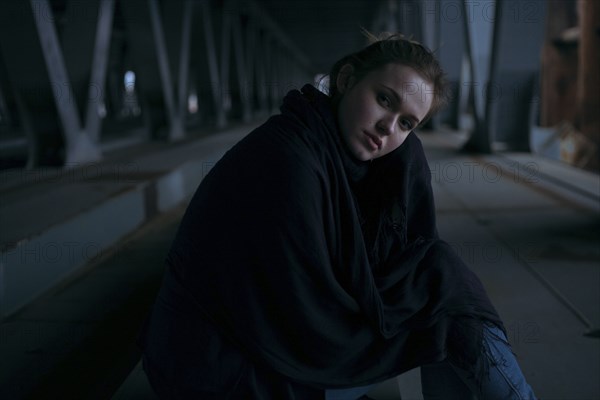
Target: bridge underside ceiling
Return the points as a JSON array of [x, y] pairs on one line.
[[324, 30]]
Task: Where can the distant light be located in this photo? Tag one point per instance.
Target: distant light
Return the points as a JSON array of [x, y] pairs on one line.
[[129, 81], [101, 110], [322, 83], [193, 103]]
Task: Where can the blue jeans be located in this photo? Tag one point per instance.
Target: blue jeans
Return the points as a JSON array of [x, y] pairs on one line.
[[444, 381]]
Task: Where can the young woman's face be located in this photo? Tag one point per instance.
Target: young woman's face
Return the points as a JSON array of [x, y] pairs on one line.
[[377, 113]]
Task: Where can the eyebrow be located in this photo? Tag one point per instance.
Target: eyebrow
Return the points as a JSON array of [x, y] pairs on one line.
[[398, 100]]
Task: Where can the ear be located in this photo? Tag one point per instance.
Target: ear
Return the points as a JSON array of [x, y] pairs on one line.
[[345, 79]]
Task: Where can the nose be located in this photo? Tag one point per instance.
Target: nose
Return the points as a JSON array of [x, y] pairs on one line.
[[386, 125]]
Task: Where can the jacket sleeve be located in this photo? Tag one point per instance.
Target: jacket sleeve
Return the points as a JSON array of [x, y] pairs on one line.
[[420, 205], [402, 288], [407, 186]]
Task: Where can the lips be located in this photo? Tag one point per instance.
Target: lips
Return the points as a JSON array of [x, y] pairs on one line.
[[376, 141]]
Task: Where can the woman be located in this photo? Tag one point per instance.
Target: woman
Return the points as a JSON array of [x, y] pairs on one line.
[[308, 264]]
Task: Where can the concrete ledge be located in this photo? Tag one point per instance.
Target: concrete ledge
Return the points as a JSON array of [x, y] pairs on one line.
[[37, 264], [74, 220], [574, 184]]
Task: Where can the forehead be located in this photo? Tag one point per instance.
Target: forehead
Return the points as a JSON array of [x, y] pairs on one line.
[[407, 83], [396, 74]]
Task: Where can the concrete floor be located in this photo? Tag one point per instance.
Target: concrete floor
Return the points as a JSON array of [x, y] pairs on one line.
[[528, 227]]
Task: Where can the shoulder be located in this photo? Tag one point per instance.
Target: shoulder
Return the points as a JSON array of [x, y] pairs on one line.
[[414, 154], [278, 158], [280, 139], [406, 162]]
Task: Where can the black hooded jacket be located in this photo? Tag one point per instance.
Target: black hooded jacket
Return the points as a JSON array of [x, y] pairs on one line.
[[297, 268]]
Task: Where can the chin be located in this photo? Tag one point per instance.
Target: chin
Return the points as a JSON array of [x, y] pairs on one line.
[[362, 156]]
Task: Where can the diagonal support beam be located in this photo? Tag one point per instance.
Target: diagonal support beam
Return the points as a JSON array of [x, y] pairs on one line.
[[252, 36], [261, 72], [242, 67], [274, 73], [213, 65], [99, 68], [79, 147], [225, 100], [184, 62], [175, 103], [3, 104], [251, 60], [158, 35]]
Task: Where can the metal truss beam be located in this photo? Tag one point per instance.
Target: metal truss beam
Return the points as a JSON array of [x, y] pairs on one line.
[[261, 71], [243, 67], [99, 69], [215, 74], [175, 103], [79, 146], [266, 60]]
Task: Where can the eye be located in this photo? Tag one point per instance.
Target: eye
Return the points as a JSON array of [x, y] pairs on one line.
[[383, 100], [406, 124]]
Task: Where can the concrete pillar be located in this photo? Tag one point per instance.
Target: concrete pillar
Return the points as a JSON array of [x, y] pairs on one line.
[[512, 101], [431, 23], [451, 53], [479, 19], [430, 31]]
